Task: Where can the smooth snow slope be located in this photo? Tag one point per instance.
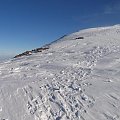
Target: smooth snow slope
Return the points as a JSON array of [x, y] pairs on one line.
[[76, 79]]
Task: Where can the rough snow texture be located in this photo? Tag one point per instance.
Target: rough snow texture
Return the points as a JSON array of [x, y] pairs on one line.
[[75, 79]]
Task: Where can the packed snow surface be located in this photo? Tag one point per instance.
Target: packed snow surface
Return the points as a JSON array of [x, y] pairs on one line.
[[75, 79]]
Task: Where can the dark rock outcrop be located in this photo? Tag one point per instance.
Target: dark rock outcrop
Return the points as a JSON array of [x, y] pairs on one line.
[[79, 38], [27, 53]]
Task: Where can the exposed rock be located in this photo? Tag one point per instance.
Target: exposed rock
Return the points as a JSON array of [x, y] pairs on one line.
[[79, 38], [32, 51]]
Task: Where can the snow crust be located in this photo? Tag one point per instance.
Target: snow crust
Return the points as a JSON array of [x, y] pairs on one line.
[[75, 79]]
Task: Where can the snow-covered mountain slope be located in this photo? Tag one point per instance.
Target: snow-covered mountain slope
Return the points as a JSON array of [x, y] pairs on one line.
[[75, 79]]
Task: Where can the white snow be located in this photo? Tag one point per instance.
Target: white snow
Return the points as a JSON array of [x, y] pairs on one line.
[[75, 79]]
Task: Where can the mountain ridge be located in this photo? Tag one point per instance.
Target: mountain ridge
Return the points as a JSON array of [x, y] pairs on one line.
[[46, 46]]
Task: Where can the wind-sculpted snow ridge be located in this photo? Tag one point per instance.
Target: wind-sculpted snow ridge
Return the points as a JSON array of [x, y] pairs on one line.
[[77, 78]]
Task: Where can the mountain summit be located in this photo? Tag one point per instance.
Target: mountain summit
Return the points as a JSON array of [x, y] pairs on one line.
[[75, 78]]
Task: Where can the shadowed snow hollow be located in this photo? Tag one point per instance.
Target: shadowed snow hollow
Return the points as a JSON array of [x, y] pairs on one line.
[[77, 78]]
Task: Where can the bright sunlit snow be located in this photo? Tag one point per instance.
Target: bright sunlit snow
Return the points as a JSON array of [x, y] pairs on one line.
[[77, 78]]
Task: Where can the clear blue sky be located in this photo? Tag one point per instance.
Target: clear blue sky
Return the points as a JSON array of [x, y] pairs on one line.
[[28, 24]]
